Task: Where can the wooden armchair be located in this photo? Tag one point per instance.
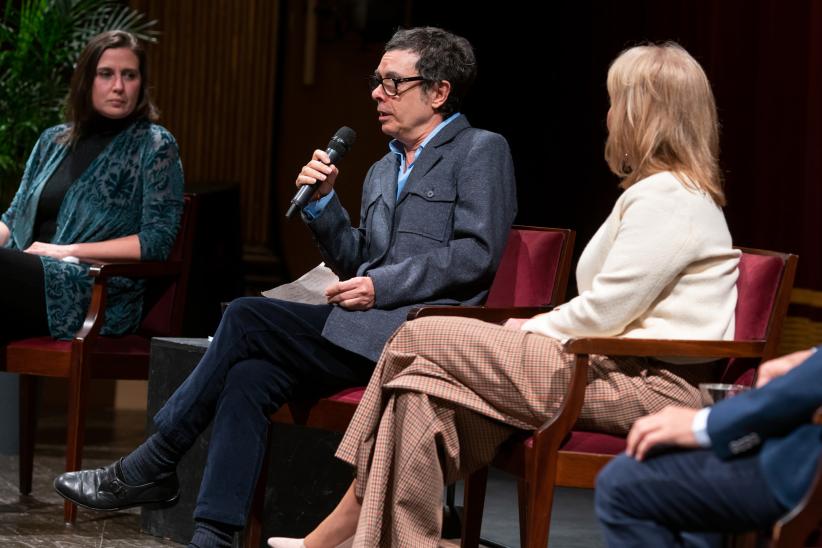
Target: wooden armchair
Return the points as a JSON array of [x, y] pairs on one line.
[[557, 455], [92, 356], [533, 274]]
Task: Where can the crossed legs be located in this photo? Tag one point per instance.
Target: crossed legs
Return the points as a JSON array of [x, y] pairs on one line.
[[264, 352]]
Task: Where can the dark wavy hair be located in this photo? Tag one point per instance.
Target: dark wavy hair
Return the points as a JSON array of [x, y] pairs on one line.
[[442, 56], [79, 107]]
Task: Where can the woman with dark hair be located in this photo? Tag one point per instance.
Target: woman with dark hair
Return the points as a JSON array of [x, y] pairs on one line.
[[105, 186]]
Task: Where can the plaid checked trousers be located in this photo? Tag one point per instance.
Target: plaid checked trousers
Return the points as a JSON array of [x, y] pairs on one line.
[[448, 391]]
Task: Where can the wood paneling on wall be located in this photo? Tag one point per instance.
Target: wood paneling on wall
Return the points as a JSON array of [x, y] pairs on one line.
[[213, 76], [336, 95]]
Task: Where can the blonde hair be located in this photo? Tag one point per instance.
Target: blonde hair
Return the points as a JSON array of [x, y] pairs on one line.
[[663, 118]]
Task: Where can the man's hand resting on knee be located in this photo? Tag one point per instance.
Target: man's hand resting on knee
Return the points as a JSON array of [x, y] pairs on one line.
[[671, 426], [353, 294]]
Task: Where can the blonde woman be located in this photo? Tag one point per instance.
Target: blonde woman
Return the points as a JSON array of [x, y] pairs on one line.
[[447, 391]]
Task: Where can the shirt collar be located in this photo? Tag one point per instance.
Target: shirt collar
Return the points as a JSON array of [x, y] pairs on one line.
[[397, 148]]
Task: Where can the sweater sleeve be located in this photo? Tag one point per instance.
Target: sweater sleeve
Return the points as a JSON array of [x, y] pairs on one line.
[[162, 197], [23, 192], [652, 246]]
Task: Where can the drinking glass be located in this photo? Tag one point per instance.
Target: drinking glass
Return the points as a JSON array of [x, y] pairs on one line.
[[713, 392]]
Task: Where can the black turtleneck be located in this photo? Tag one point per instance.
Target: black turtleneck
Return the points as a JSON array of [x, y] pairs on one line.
[[99, 132]]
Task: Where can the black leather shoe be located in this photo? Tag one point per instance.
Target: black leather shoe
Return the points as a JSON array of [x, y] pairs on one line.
[[104, 489]]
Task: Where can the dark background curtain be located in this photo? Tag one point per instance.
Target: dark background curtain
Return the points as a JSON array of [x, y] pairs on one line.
[[542, 85], [296, 71]]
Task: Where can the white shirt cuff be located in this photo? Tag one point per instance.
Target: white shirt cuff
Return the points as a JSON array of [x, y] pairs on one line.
[[699, 426]]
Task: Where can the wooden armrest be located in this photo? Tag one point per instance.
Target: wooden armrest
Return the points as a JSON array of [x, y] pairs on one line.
[[817, 417], [613, 346], [101, 272], [140, 269], [488, 314]]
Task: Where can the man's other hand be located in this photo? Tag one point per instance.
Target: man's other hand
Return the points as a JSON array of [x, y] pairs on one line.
[[353, 294], [671, 426], [777, 367]]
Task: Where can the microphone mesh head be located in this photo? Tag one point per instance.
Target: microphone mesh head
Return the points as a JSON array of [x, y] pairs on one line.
[[345, 137], [340, 143]]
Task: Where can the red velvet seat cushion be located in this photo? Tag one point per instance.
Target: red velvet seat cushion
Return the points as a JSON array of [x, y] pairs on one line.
[[589, 442], [594, 442], [349, 395], [40, 343], [125, 345]]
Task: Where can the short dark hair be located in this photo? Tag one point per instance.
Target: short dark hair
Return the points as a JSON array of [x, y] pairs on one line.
[[79, 107], [442, 56]]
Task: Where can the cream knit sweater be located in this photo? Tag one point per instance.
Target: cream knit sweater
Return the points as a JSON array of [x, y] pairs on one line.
[[661, 266]]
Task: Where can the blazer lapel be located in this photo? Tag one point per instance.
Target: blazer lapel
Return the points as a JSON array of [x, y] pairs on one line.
[[431, 154], [381, 224], [388, 180]]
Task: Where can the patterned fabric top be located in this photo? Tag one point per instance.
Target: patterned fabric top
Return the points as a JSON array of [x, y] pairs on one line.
[[135, 186]]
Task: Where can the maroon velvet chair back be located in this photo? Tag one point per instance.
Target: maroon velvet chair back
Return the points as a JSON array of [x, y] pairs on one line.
[[530, 272], [763, 290], [164, 298], [758, 288]]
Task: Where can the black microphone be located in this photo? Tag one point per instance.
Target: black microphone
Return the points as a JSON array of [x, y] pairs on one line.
[[340, 143]]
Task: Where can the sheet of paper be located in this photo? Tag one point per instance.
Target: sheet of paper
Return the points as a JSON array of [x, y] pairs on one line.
[[308, 288]]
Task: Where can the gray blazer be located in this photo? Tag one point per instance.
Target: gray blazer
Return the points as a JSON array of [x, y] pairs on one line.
[[440, 242]]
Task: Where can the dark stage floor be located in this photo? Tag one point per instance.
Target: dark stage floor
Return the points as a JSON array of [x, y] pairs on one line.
[[37, 520]]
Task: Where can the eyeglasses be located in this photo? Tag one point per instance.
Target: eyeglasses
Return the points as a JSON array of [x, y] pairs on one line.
[[390, 85]]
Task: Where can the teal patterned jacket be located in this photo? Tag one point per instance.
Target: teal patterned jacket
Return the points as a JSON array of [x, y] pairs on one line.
[[135, 186]]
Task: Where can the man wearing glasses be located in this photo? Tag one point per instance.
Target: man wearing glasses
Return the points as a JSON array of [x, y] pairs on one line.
[[434, 219]]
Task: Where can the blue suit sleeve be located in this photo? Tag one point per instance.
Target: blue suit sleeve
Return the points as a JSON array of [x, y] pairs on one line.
[[742, 423]]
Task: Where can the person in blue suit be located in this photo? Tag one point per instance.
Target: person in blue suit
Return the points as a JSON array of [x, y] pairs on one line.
[[756, 455]]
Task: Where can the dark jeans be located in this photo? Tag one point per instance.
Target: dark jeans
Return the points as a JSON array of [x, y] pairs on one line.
[[264, 353], [23, 296], [682, 498]]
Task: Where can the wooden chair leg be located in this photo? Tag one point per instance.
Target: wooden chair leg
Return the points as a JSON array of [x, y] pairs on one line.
[[522, 497], [473, 502], [28, 428], [794, 528], [76, 427], [785, 537], [743, 540], [541, 502]]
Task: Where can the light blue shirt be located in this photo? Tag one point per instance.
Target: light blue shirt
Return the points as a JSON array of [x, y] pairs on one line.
[[314, 209], [397, 148]]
